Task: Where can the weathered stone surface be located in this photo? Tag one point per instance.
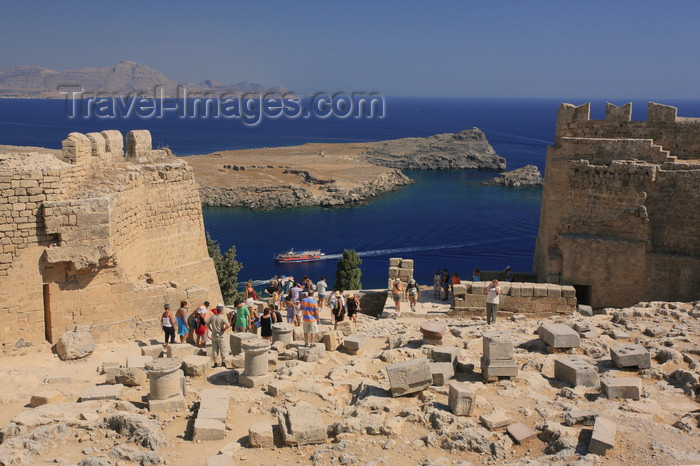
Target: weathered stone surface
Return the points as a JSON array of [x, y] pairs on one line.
[[138, 362], [256, 361], [622, 387], [617, 334], [261, 435], [75, 345], [630, 356], [128, 376], [445, 354], [208, 429], [46, 397], [586, 417], [301, 424], [154, 351], [333, 340], [495, 419], [166, 379], [409, 376], [559, 336], [255, 381], [236, 339], [461, 398], [347, 327], [102, 392], [433, 329], [441, 372], [655, 331], [520, 432], [353, 343], [498, 368], [603, 438], [168, 405], [221, 459], [195, 366], [181, 350], [576, 371], [282, 331]]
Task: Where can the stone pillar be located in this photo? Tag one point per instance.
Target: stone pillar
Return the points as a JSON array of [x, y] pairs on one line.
[[167, 384], [497, 359], [255, 356], [282, 331]]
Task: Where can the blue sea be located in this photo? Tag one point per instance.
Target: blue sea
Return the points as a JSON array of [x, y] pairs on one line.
[[447, 219]]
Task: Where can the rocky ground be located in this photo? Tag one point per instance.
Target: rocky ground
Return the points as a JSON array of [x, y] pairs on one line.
[[365, 424], [523, 177], [332, 174]]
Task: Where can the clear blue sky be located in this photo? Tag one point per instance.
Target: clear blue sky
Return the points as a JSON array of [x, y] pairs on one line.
[[566, 49]]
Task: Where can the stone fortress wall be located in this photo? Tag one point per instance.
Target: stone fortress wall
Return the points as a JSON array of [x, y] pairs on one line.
[[620, 217], [100, 237]]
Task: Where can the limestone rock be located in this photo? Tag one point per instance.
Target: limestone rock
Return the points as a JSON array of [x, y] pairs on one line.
[[75, 345]]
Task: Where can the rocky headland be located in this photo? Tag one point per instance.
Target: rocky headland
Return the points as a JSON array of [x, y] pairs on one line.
[[523, 177], [332, 175]]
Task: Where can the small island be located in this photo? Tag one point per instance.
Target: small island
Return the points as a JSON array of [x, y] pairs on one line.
[[524, 177], [332, 175]]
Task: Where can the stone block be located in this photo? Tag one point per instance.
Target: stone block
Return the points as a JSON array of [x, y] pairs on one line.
[[301, 424], [433, 329], [460, 289], [407, 264], [445, 354], [221, 459], [347, 327], [585, 310], [102, 392], [568, 291], [154, 351], [631, 355], [603, 438], [498, 368], [527, 290], [261, 435], [461, 399], [622, 387], [655, 331], [553, 291], [138, 362], [195, 366], [168, 405], [106, 365], [208, 429], [497, 345], [441, 372], [219, 413], [540, 290], [393, 273], [617, 334], [236, 339], [409, 376], [520, 432], [279, 387], [394, 262], [515, 289], [213, 398], [255, 381], [559, 336], [495, 420], [353, 343], [74, 345], [333, 340], [585, 417], [46, 397], [181, 350], [128, 376], [576, 371]]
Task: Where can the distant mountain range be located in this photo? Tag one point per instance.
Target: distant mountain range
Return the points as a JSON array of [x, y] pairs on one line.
[[124, 78]]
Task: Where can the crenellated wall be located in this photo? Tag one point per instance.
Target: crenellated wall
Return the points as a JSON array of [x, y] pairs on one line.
[[620, 211], [100, 239]]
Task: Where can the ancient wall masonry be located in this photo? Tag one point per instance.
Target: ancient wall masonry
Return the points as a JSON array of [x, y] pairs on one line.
[[621, 206], [99, 238]]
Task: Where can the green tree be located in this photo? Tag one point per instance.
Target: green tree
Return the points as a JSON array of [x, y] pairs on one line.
[[347, 277], [227, 268]]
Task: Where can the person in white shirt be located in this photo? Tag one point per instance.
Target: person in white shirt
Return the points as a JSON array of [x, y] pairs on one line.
[[492, 301]]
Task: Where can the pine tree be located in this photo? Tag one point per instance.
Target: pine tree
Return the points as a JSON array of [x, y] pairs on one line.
[[227, 268], [347, 277]]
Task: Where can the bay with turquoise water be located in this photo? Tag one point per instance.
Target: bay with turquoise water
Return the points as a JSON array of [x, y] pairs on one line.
[[447, 219]]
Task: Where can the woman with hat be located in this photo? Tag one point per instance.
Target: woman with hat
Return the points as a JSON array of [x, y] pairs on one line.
[[413, 293], [397, 295]]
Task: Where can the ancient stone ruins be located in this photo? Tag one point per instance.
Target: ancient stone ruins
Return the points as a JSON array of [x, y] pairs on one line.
[[620, 212], [95, 237]]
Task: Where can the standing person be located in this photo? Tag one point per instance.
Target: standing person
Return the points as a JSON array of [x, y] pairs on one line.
[[338, 310], [294, 292], [508, 272], [437, 283], [321, 287], [168, 324], [249, 294], [266, 321], [492, 301], [291, 311], [476, 274], [254, 320], [309, 308], [200, 328], [396, 294], [446, 284], [217, 325], [352, 304], [455, 281], [181, 316], [242, 317], [412, 293]]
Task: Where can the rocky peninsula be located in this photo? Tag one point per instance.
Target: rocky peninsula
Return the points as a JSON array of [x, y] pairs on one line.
[[332, 175], [523, 177]]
